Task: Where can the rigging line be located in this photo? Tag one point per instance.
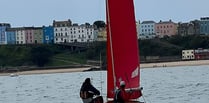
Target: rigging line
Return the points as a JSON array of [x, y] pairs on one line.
[[111, 47], [145, 100], [101, 70]]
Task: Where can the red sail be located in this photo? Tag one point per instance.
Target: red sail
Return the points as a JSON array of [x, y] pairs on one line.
[[122, 45]]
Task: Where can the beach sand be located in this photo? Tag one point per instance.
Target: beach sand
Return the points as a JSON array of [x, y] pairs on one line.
[[177, 63], [142, 66], [48, 71]]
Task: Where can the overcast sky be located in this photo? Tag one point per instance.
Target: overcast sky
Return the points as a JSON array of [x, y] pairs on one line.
[[43, 12]]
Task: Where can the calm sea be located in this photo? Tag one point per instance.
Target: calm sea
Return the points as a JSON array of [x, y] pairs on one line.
[[188, 84]]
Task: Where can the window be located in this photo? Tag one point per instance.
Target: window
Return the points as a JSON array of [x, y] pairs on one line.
[[47, 37]]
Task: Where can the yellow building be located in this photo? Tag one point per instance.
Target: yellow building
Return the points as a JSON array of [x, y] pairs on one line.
[[102, 34]]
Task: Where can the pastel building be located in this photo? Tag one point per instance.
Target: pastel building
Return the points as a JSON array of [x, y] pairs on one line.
[[190, 28], [3, 27], [204, 25], [48, 34], [147, 30], [38, 35], [11, 38], [29, 36], [165, 28], [185, 29], [102, 34]]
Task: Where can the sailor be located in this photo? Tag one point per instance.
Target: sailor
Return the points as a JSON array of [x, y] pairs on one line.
[[122, 95], [87, 91]]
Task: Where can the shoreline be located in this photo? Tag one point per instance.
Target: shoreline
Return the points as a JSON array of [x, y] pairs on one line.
[[142, 66]]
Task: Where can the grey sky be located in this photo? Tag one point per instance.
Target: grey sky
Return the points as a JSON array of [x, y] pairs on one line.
[[43, 12]]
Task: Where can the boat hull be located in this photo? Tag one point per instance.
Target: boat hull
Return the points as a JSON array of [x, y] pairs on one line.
[[127, 102]]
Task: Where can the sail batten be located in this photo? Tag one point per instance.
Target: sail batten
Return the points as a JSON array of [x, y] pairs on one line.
[[122, 45]]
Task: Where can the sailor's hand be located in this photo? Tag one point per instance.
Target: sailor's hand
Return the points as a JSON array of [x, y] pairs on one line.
[[130, 90]]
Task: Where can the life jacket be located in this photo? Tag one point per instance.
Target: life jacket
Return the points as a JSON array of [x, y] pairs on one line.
[[98, 99], [117, 97], [84, 94]]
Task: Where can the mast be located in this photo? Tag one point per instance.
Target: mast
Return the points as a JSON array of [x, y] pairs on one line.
[[111, 48]]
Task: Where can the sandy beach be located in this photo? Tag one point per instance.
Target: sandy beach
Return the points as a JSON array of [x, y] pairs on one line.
[[178, 63], [48, 71], [143, 66]]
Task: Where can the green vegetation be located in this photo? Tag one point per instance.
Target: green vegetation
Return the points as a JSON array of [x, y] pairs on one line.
[[56, 55]]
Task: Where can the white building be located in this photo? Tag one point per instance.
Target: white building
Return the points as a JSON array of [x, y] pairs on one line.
[[137, 29], [147, 30], [82, 33], [61, 35], [65, 32], [61, 31], [20, 36], [188, 54]]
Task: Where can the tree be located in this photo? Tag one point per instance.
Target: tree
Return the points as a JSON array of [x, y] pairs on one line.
[[40, 55], [99, 24]]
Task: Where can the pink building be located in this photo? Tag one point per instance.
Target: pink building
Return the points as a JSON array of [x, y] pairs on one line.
[[29, 36], [168, 28]]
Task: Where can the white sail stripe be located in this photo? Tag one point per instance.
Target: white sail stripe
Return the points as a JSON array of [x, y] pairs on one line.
[[135, 73]]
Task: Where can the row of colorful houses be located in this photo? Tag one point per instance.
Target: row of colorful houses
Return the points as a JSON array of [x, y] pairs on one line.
[[67, 32], [151, 29], [60, 32]]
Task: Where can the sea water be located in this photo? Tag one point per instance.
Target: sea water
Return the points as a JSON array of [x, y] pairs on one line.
[[187, 84]]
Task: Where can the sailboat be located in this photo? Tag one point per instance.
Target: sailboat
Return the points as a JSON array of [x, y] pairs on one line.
[[122, 48]]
